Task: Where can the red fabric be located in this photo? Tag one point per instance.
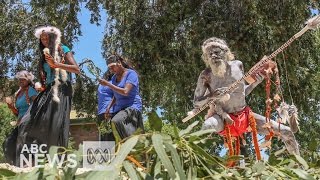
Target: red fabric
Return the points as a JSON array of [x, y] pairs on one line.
[[241, 122]]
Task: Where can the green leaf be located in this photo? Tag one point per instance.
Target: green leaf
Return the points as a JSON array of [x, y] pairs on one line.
[[157, 169], [53, 152], [6, 173], [313, 144], [277, 153], [155, 121], [158, 146], [235, 158], [302, 174], [273, 160], [302, 161], [144, 175], [188, 129], [110, 173], [124, 151], [70, 172], [200, 152], [285, 162], [175, 131], [176, 160], [51, 173], [236, 173], [271, 178], [258, 167], [33, 175], [92, 68], [130, 170], [210, 171], [280, 173], [192, 172], [202, 132]]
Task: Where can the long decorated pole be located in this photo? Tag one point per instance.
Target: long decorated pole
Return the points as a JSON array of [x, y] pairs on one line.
[[312, 23]]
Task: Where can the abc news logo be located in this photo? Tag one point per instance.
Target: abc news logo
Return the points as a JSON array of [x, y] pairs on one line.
[[97, 155], [37, 155]]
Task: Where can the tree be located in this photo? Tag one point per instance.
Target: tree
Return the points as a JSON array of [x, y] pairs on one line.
[[19, 19], [18, 46], [163, 40], [6, 117]]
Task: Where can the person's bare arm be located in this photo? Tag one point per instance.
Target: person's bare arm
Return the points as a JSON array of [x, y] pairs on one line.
[[107, 113], [123, 91], [71, 65], [13, 108], [201, 94], [250, 87], [33, 98]]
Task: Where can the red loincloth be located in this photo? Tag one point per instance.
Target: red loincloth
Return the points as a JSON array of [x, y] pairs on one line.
[[241, 122]]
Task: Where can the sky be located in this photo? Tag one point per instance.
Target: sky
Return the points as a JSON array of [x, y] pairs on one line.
[[90, 43]]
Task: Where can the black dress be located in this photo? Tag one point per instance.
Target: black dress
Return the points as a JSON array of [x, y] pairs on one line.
[[47, 122]]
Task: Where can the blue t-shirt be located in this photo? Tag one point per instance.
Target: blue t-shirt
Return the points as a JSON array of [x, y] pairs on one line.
[[21, 102], [105, 95], [47, 69], [133, 99]]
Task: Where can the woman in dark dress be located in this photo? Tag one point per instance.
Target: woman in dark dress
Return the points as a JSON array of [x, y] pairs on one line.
[[47, 121]]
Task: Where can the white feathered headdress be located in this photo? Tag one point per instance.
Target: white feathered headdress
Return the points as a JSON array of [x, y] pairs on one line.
[[58, 72], [48, 29]]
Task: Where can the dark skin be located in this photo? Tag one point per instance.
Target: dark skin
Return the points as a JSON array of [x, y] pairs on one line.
[[119, 71], [107, 114], [23, 83], [71, 65]]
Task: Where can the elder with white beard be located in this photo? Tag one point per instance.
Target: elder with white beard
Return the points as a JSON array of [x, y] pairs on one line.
[[221, 72]]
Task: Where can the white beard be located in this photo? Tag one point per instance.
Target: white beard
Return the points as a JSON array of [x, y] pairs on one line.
[[218, 70]]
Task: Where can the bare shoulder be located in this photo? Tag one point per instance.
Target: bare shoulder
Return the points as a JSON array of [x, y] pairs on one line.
[[235, 62], [205, 72], [205, 75]]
